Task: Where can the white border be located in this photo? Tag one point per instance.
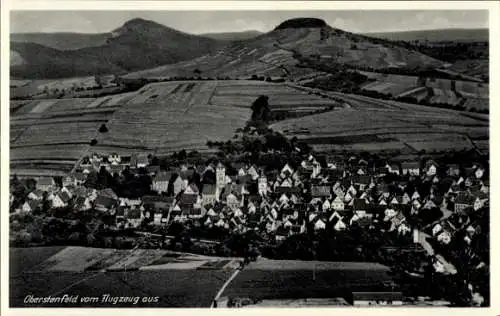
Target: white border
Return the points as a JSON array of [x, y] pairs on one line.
[[492, 6]]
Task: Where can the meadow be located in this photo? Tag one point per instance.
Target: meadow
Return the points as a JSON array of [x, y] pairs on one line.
[[287, 279]]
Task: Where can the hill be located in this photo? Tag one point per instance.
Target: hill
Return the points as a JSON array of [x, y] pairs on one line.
[[138, 44], [281, 51], [232, 36], [439, 35], [62, 41]]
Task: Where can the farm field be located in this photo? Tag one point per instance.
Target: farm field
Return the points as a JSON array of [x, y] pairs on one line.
[[170, 116], [25, 88], [49, 270], [387, 125], [51, 135], [473, 94], [277, 279]]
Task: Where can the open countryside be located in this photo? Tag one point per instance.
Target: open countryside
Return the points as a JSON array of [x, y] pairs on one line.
[[302, 166]]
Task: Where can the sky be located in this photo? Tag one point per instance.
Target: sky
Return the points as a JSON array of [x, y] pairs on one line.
[[199, 22]]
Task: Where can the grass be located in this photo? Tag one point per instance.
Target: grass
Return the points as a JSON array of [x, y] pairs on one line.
[[302, 279]]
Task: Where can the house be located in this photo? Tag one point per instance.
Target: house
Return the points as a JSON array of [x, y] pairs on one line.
[[286, 172], [30, 206], [109, 193], [362, 181], [45, 184], [160, 182], [36, 195], [393, 168], [319, 224], [359, 206], [61, 200], [114, 158], [444, 237], [431, 168], [141, 161], [411, 168], [82, 203], [338, 204], [134, 218], [178, 184], [339, 225], [479, 203], [463, 200], [104, 203], [453, 170], [209, 194], [262, 185], [364, 299]]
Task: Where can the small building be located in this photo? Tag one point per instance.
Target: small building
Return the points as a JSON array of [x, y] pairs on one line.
[[463, 201], [160, 182], [104, 203], [366, 299], [411, 168], [209, 194], [45, 184]]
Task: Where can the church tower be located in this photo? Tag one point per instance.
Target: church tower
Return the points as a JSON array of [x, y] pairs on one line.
[[220, 176]]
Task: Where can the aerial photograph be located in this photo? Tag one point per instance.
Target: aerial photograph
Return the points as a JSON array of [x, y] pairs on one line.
[[249, 159]]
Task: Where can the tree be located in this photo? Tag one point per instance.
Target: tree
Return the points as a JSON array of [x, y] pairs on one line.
[[260, 109], [98, 81], [93, 142], [103, 129]]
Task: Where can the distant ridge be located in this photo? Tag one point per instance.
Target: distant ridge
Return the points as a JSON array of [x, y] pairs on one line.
[[61, 41], [437, 35], [233, 36], [137, 44]]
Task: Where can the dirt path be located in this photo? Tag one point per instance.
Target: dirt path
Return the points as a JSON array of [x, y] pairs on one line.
[[219, 293]]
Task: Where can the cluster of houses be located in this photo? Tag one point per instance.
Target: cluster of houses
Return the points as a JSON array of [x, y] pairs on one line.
[[282, 202]]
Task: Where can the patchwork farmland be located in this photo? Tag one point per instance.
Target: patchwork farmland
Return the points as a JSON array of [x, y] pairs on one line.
[[51, 135], [471, 95], [375, 125]]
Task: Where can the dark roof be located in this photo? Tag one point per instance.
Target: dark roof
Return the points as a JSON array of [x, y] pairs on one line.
[[45, 181], [362, 179], [323, 190], [189, 210], [209, 189], [108, 192], [64, 197], [148, 199], [163, 176], [377, 296], [134, 214], [464, 198], [359, 205], [188, 199], [410, 165], [104, 201], [153, 168], [187, 174], [287, 190], [33, 204]]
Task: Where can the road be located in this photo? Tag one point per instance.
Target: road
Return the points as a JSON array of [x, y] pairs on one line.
[[422, 240], [221, 290]]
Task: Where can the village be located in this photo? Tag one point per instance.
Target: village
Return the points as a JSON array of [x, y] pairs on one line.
[[279, 203]]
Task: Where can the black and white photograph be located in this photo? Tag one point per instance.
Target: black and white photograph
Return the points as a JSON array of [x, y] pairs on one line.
[[248, 158]]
